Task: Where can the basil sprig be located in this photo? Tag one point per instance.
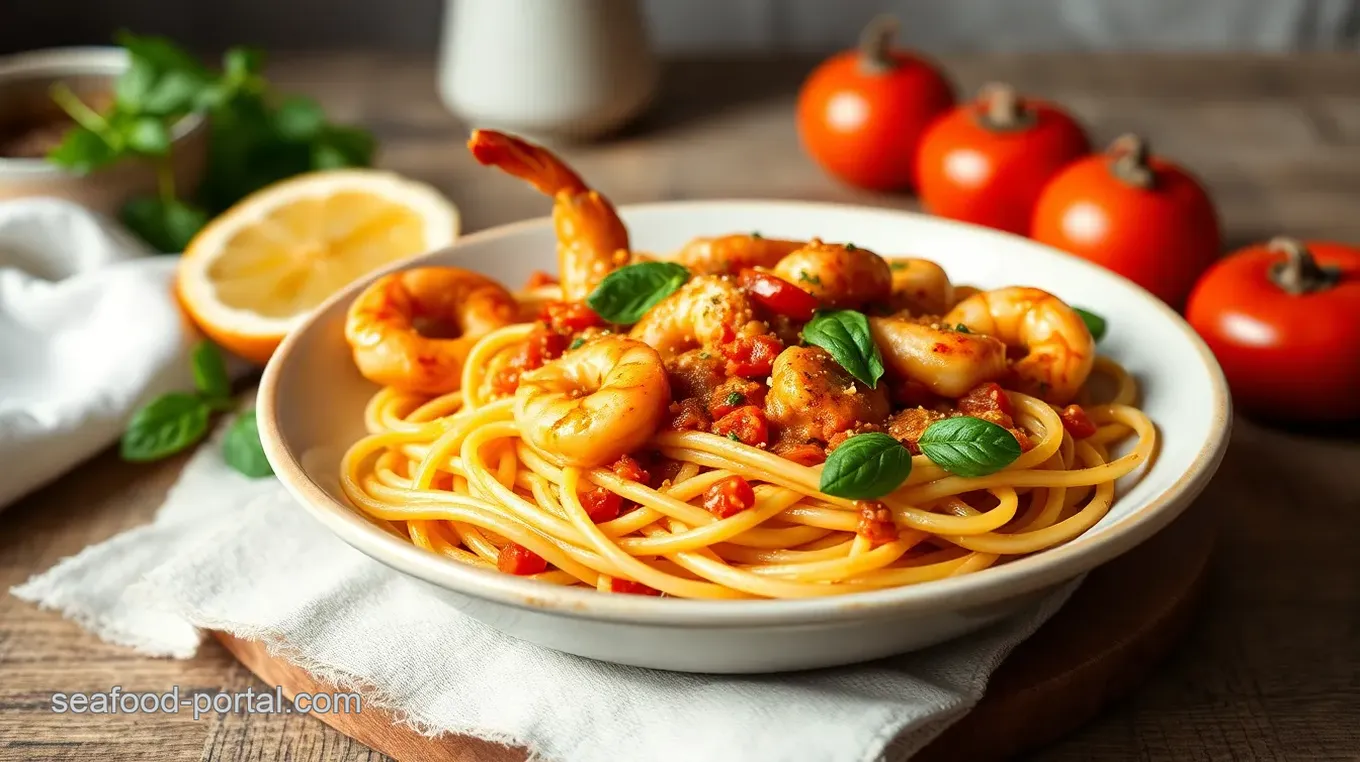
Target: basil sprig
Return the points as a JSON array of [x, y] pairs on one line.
[[626, 294], [865, 466], [969, 446], [845, 335], [173, 422], [1094, 323]]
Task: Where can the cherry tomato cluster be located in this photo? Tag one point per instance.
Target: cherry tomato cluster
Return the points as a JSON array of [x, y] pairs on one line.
[[1282, 318]]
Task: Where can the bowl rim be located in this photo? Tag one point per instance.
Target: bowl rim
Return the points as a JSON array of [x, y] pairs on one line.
[[49, 63], [988, 586]]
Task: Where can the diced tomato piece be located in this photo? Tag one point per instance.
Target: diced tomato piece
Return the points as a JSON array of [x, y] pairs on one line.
[[803, 454], [601, 504], [986, 397], [777, 294], [517, 559], [569, 317], [626, 467], [734, 393], [746, 424], [688, 415], [630, 587], [876, 523], [729, 497], [1077, 423], [540, 346], [538, 278], [751, 356]]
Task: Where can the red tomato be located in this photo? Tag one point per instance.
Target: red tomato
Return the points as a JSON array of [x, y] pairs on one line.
[[517, 559], [729, 497], [1283, 319], [780, 296], [986, 162], [569, 317], [862, 112], [751, 357], [1077, 423], [746, 425], [629, 587], [601, 505], [1136, 214]]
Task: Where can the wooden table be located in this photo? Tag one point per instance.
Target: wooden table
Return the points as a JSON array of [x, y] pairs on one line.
[[1270, 671]]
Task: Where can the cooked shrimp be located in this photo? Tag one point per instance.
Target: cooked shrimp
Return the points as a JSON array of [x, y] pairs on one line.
[[730, 253], [701, 313], [413, 329], [921, 286], [947, 361], [812, 397], [1060, 350], [840, 275], [593, 404], [591, 239]]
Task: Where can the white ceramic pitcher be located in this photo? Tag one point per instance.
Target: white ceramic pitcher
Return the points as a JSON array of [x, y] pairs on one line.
[[546, 68]]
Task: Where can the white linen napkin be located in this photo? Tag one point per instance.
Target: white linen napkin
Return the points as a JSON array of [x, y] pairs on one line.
[[233, 554], [88, 332]]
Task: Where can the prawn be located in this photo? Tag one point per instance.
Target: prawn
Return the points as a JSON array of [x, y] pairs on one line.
[[705, 312], [920, 286], [591, 239], [413, 329], [1059, 349], [839, 275], [948, 362], [594, 404], [729, 254], [812, 397]]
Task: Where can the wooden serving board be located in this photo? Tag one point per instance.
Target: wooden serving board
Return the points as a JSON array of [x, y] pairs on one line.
[[1124, 618]]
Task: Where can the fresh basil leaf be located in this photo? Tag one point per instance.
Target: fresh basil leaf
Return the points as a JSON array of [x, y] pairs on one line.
[[162, 79], [149, 135], [866, 466], [626, 294], [242, 63], [242, 449], [168, 226], [169, 424], [299, 118], [845, 335], [210, 372], [347, 146], [969, 446], [176, 92], [82, 151], [1094, 323]]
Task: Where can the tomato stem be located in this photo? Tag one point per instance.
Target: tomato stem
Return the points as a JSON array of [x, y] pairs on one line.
[[1129, 161], [875, 45], [1299, 273], [1002, 109]]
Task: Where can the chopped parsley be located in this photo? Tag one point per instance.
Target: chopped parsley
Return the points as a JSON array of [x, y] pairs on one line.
[[576, 343], [803, 277], [732, 435], [735, 398], [704, 355], [961, 328], [850, 247], [900, 265], [755, 234]]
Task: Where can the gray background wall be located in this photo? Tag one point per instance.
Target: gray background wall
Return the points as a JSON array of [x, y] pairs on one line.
[[703, 25]]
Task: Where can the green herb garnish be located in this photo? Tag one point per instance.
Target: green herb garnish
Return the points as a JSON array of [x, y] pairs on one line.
[[803, 277], [866, 466], [755, 234], [961, 328], [899, 265], [969, 446], [626, 294], [1094, 323], [732, 435], [735, 398], [173, 422], [850, 247], [576, 343], [845, 335], [256, 138]]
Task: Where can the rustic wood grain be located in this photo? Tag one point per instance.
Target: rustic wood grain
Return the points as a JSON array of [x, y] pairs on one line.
[[1269, 671]]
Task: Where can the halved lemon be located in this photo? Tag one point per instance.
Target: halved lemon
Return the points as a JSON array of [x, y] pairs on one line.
[[255, 272]]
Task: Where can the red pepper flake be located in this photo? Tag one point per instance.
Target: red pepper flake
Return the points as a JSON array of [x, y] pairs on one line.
[[629, 587], [1077, 423], [876, 523], [746, 424], [517, 559], [729, 497]]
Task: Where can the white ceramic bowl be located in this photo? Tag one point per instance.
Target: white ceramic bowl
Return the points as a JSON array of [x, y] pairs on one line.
[[311, 408]]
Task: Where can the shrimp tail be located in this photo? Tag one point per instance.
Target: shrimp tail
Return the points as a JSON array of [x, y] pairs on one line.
[[531, 163]]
